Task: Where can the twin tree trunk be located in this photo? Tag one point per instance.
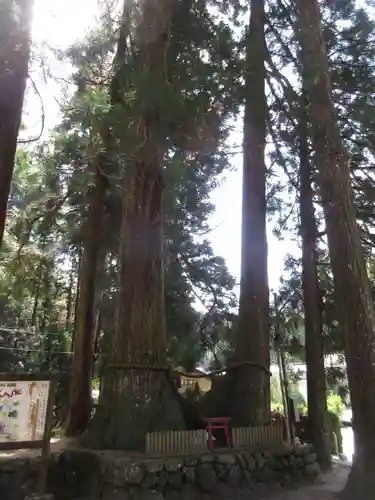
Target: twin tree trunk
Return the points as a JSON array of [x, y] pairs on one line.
[[80, 389], [252, 395], [352, 289], [316, 388], [14, 61], [135, 401]]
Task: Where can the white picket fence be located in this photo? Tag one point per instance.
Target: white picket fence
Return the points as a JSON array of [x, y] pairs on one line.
[[264, 435], [190, 442], [171, 442]]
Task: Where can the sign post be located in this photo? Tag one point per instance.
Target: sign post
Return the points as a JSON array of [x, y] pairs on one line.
[[26, 412]]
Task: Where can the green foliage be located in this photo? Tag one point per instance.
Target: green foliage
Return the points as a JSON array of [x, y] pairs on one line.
[[335, 405]]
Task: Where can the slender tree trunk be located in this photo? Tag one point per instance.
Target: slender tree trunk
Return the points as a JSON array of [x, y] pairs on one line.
[[134, 402], [36, 296], [98, 324], [76, 300], [316, 387], [80, 386], [35, 305], [46, 304], [14, 60], [352, 288], [252, 395], [69, 299]]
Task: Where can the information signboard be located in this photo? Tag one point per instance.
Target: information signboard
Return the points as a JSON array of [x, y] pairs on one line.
[[26, 410], [23, 409]]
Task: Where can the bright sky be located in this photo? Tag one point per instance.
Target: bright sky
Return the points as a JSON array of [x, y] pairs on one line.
[[59, 24]]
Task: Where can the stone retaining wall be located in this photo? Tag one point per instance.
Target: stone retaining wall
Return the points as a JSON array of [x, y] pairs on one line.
[[84, 475]]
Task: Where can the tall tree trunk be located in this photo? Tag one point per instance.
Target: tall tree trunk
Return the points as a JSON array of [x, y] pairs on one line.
[[35, 305], [46, 304], [134, 402], [69, 298], [316, 387], [352, 288], [83, 348], [76, 299], [251, 401], [98, 325], [14, 60], [36, 295]]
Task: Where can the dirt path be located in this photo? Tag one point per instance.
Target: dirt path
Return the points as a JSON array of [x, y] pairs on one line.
[[325, 489]]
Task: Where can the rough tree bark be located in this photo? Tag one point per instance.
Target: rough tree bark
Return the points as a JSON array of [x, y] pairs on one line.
[[352, 289], [316, 387], [251, 397], [46, 302], [15, 20], [134, 402], [69, 298], [36, 290], [83, 348], [76, 299]]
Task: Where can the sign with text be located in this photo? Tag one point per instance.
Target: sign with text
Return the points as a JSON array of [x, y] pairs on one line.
[[23, 410]]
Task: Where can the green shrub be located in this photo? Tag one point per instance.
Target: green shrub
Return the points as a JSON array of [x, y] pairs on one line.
[[335, 404]]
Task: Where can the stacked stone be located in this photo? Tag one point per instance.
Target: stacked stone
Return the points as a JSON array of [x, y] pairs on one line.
[[84, 475], [224, 474]]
